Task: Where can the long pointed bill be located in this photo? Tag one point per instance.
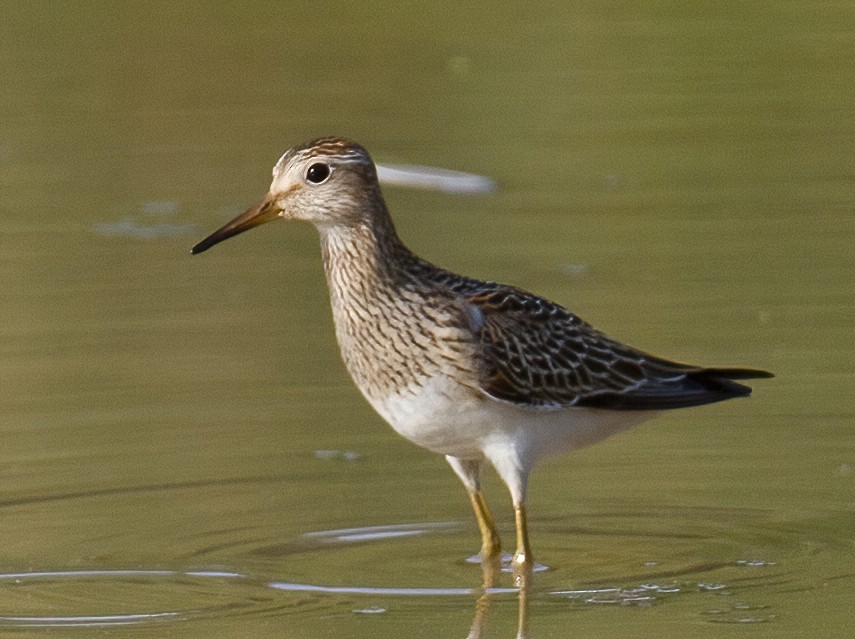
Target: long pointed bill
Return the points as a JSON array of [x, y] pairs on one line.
[[259, 213]]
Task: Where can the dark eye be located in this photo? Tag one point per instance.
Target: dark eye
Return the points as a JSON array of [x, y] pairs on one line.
[[318, 173]]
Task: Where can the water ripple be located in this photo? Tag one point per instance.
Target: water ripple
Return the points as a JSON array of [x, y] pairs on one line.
[[325, 571]]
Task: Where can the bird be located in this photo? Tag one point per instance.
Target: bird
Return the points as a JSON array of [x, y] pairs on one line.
[[481, 372]]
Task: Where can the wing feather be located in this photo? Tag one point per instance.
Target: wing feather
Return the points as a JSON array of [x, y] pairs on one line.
[[537, 353]]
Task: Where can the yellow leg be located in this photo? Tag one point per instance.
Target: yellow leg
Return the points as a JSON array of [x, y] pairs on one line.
[[523, 561], [522, 614], [491, 544]]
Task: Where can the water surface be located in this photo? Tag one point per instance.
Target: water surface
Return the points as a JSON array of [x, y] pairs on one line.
[[182, 449]]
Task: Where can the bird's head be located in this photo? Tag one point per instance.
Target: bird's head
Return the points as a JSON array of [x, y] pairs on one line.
[[330, 182]]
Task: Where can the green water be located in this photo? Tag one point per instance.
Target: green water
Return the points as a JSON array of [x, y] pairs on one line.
[[181, 447]]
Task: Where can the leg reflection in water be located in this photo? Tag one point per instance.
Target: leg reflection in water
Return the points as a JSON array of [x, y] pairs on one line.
[[491, 568]]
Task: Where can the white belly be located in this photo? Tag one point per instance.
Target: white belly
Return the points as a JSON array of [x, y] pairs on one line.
[[450, 419]]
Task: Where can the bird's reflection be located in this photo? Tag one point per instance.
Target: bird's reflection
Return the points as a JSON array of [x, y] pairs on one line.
[[491, 572]]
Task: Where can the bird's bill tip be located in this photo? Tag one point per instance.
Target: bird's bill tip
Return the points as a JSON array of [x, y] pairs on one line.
[[263, 211]]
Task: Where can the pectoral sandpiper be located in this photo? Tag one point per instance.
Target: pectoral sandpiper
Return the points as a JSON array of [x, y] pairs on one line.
[[476, 371]]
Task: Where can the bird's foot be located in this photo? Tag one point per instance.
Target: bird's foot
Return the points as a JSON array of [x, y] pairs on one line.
[[523, 567]]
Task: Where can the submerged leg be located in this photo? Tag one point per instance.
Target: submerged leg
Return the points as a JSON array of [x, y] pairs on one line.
[[469, 471], [523, 561]]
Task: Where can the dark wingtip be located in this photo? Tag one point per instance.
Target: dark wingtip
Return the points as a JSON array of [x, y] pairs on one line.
[[738, 373], [696, 388]]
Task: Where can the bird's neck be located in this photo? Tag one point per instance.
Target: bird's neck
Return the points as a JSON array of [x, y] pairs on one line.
[[381, 295], [363, 264], [363, 259]]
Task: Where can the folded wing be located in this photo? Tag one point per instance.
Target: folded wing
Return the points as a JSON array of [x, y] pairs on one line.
[[536, 353]]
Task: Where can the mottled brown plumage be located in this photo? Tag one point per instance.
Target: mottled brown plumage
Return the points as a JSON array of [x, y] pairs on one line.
[[478, 371]]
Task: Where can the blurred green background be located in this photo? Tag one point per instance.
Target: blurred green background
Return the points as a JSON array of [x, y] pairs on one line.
[[681, 175]]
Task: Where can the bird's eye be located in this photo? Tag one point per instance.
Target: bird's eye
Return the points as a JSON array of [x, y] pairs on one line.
[[318, 173]]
